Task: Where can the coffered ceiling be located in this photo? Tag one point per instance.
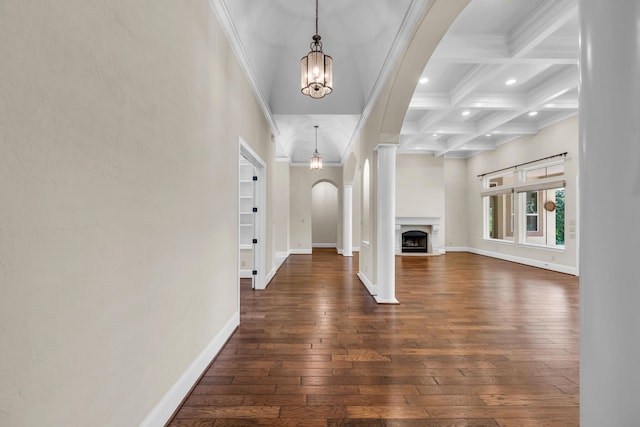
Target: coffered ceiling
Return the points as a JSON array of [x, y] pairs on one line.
[[465, 107]]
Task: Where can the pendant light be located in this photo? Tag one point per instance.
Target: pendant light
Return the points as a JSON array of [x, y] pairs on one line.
[[317, 75], [316, 160]]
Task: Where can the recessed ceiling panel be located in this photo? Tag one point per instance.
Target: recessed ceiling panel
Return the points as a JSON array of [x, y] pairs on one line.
[[487, 17]]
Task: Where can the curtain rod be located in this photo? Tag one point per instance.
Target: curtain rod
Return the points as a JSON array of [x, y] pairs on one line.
[[522, 164]]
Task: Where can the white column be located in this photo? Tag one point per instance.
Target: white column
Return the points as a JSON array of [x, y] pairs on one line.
[[385, 226], [347, 220], [609, 213]]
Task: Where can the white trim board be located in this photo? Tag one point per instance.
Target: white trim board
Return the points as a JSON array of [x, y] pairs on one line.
[[300, 251], [367, 284], [324, 245], [385, 301], [519, 260], [165, 408], [527, 261], [246, 274], [457, 249], [279, 261]]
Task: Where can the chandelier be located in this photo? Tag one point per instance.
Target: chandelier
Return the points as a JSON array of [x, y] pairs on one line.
[[316, 160], [317, 75]]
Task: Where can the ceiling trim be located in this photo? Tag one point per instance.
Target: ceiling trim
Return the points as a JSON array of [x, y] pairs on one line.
[[221, 11], [408, 27], [558, 118], [540, 25]]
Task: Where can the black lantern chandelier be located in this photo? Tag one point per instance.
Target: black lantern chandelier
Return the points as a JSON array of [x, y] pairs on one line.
[[316, 160], [317, 75]]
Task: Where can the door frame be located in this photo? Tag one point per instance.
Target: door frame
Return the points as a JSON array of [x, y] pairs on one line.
[[260, 223]]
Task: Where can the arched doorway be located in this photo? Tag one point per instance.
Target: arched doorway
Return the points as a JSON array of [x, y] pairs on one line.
[[324, 215]]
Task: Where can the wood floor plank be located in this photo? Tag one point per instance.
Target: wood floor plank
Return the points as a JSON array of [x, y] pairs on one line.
[[269, 422], [460, 422], [550, 422], [475, 341], [242, 411], [394, 411]]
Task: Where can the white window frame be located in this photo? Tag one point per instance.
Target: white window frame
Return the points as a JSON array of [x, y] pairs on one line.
[[523, 233], [488, 188]]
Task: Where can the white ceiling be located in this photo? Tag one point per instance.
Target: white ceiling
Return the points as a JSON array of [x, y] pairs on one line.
[[534, 42]]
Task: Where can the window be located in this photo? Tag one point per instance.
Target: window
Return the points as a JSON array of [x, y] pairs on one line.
[[526, 206], [532, 213], [542, 193], [499, 207]]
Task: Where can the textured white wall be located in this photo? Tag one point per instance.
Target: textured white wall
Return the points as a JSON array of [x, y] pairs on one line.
[[455, 203], [280, 197], [324, 213], [119, 127]]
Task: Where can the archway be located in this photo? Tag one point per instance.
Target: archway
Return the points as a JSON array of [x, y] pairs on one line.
[[324, 215]]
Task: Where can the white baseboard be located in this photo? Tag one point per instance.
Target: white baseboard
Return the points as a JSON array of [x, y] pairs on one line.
[[355, 249], [380, 300], [300, 251], [367, 284], [272, 273], [341, 252], [526, 261], [457, 249], [324, 245], [279, 261], [282, 255], [165, 408], [246, 274]]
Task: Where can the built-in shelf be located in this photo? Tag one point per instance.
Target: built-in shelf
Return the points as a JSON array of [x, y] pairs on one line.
[[247, 184]]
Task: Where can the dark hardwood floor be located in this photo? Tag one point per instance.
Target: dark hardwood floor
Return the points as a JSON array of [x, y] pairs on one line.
[[475, 341]]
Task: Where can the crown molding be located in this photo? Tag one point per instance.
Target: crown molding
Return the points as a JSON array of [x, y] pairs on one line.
[[221, 11], [409, 25]]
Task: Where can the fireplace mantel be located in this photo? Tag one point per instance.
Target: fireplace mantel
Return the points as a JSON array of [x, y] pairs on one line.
[[417, 220], [431, 223]]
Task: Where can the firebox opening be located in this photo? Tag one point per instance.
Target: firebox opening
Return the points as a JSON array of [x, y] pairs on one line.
[[414, 241]]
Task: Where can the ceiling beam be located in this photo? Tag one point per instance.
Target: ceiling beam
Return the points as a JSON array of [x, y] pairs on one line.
[[431, 101], [558, 118], [556, 86], [495, 101], [494, 49], [432, 119], [484, 126], [566, 102], [543, 22], [471, 81]]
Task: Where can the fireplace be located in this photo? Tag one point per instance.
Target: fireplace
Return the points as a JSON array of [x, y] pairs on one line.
[[415, 241], [425, 225]]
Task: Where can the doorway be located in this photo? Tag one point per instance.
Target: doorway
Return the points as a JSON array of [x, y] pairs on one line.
[[324, 215], [252, 217]]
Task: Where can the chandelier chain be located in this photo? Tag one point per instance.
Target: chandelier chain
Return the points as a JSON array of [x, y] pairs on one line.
[[316, 17]]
